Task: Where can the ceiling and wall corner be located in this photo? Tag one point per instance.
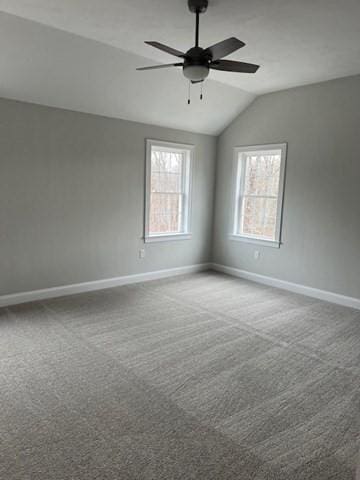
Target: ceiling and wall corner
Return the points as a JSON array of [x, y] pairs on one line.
[[82, 55]]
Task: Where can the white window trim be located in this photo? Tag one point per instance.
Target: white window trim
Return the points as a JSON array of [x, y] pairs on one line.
[[186, 234], [238, 188]]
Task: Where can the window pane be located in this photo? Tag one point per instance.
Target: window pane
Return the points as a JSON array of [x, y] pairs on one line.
[[166, 192], [166, 171], [165, 161], [258, 217], [165, 182], [165, 213], [168, 196], [262, 174]]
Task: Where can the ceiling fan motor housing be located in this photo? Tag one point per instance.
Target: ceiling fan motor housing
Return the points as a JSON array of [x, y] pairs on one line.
[[196, 64], [199, 6]]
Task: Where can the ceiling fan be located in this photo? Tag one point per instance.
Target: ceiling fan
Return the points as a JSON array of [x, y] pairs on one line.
[[197, 62]]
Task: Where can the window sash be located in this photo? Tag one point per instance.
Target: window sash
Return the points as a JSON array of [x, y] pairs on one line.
[[241, 219], [180, 194], [183, 210], [241, 157], [161, 215]]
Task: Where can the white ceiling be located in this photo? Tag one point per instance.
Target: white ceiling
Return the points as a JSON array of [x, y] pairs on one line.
[[295, 41], [44, 65]]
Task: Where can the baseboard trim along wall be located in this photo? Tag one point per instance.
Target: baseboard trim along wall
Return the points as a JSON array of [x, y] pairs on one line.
[[23, 297], [292, 287], [31, 296]]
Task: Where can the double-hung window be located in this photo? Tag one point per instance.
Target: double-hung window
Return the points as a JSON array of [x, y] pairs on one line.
[[258, 194], [168, 187]]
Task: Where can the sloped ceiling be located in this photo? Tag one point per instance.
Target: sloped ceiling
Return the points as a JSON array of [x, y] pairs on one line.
[[51, 67], [92, 67]]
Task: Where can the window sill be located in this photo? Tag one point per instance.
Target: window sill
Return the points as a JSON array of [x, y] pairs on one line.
[[256, 241], [167, 237]]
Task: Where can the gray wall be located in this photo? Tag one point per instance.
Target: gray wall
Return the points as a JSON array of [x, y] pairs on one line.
[[72, 189], [71, 198], [321, 222]]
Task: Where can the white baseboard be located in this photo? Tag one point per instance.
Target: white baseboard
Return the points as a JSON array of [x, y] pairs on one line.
[[23, 297], [292, 287]]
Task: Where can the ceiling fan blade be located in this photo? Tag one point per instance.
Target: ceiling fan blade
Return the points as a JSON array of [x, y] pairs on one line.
[[224, 48], [166, 65], [166, 49], [231, 66]]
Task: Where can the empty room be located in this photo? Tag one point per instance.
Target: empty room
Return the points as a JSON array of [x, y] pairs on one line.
[[179, 240]]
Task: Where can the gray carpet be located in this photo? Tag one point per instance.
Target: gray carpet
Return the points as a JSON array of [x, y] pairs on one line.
[[197, 377]]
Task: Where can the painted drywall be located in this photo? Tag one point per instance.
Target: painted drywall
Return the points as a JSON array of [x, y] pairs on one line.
[[321, 220], [72, 198]]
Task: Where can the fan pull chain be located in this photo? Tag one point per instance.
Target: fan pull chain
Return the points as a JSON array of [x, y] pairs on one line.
[[201, 91], [189, 93]]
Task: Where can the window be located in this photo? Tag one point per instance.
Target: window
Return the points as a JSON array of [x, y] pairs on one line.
[[168, 182], [259, 194]]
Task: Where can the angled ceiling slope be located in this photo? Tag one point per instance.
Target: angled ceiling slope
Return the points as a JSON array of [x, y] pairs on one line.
[[51, 67], [295, 42]]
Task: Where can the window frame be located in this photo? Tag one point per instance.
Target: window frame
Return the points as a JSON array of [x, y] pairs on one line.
[[238, 193], [185, 234]]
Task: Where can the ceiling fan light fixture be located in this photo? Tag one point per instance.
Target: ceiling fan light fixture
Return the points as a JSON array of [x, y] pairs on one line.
[[196, 73], [197, 61]]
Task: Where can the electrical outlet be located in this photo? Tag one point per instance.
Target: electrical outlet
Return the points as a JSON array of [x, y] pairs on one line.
[[256, 254], [142, 253]]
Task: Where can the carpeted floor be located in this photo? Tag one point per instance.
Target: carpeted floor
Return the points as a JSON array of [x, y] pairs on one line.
[[197, 377]]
